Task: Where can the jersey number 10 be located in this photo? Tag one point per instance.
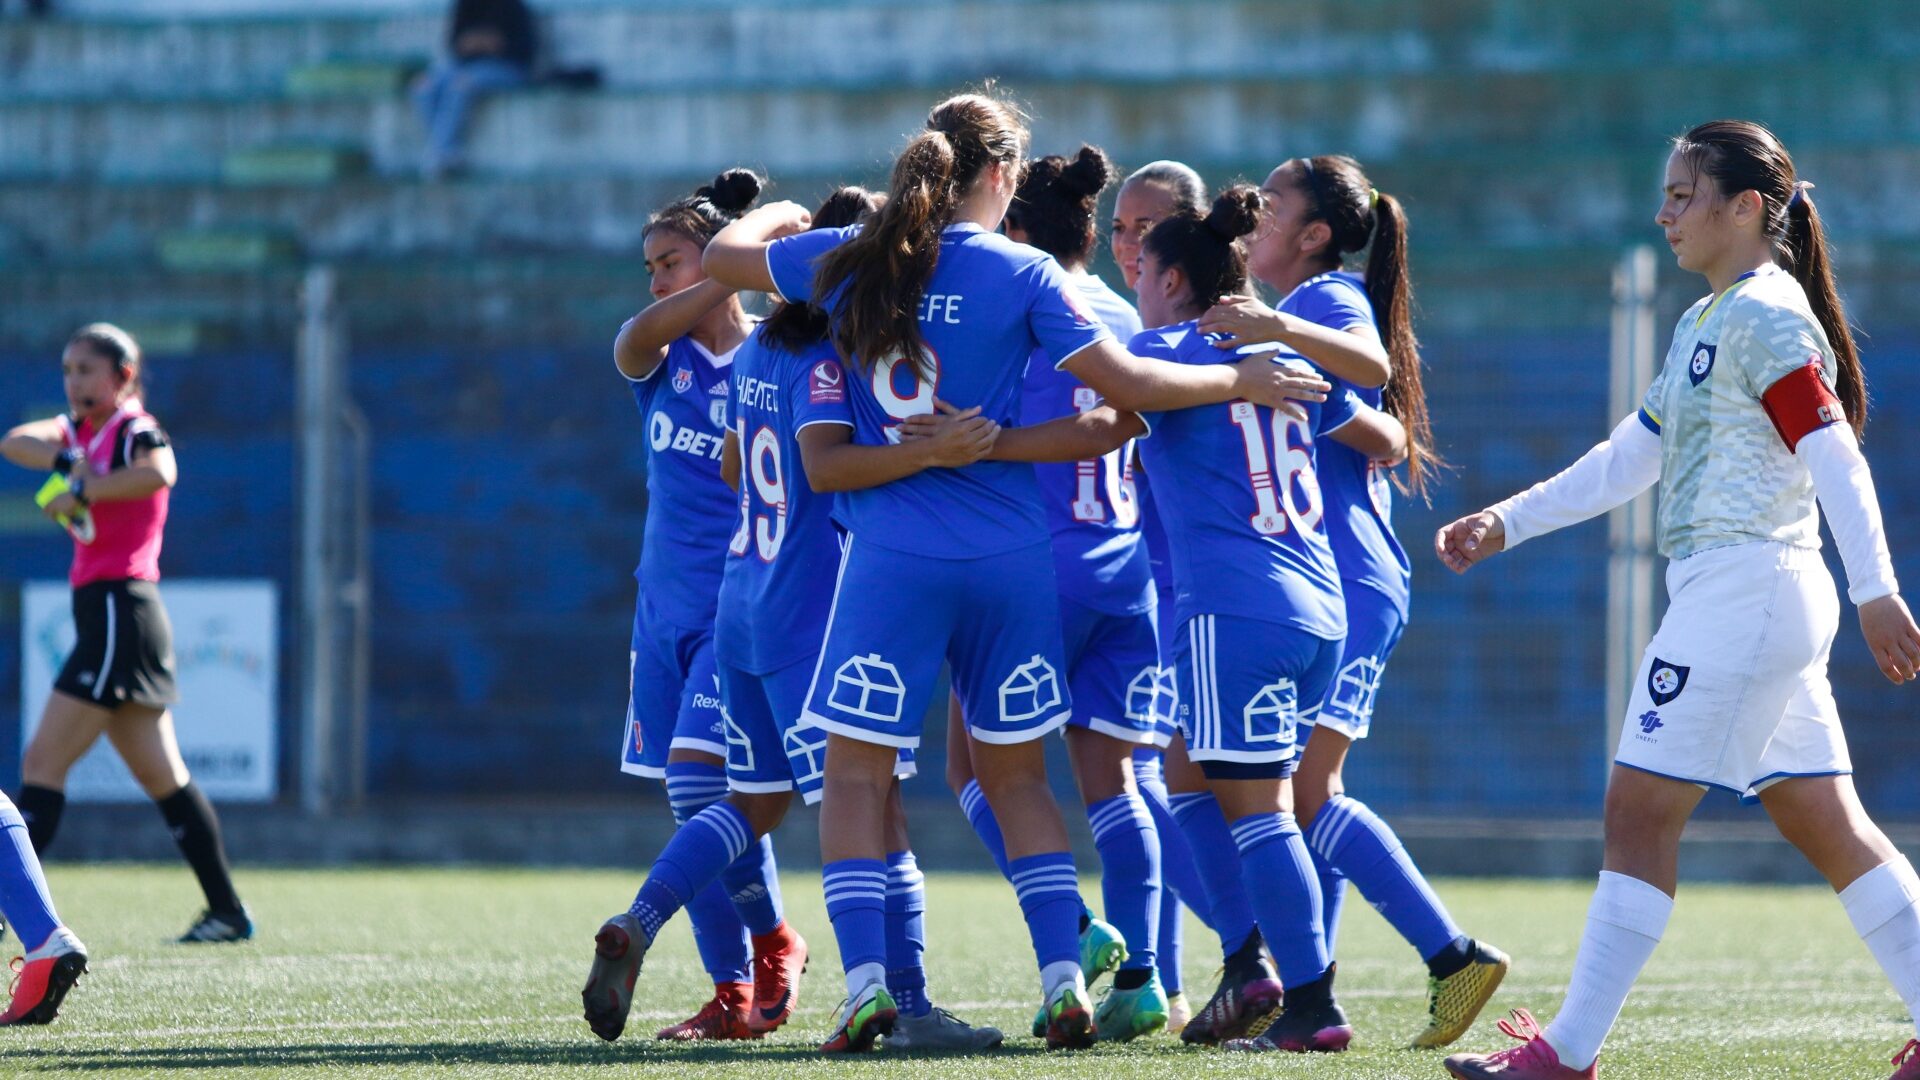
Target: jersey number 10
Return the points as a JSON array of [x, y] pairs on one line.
[[1273, 490]]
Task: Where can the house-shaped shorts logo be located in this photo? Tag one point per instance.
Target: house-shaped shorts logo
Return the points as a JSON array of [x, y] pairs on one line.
[[1030, 693], [1271, 713], [869, 688]]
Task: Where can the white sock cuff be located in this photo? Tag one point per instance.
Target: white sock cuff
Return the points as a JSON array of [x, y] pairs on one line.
[[1630, 904], [1880, 894], [1057, 974], [861, 976]]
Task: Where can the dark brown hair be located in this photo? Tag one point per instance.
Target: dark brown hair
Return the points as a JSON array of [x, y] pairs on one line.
[[1741, 155], [1208, 249], [115, 345], [1057, 200], [709, 209], [878, 276], [797, 327]]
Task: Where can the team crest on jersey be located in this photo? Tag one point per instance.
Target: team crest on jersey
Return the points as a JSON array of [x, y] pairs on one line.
[[1665, 681], [828, 384], [1701, 365], [682, 380]]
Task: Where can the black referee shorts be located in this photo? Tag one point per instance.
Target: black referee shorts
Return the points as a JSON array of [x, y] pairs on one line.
[[123, 652]]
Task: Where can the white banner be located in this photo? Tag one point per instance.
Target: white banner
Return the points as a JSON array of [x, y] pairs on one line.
[[226, 646]]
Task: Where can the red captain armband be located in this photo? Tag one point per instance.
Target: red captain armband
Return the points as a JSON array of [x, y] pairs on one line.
[[1801, 403]]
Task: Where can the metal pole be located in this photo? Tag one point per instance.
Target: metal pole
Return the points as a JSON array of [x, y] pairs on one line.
[[1630, 558], [316, 365]]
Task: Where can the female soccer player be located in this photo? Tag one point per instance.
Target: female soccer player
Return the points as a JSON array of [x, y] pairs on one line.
[[1106, 614], [1206, 875], [1318, 210], [1757, 411], [676, 355], [772, 614], [118, 680], [927, 301]]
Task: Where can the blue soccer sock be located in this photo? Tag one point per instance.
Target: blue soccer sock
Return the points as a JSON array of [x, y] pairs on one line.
[[973, 802], [1286, 894], [1049, 893], [23, 888], [1129, 874], [751, 880], [691, 861], [718, 931], [1177, 869], [1218, 864], [907, 935], [1333, 899], [1354, 841], [857, 905]]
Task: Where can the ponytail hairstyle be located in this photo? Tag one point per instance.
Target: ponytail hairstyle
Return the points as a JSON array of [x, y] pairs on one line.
[[1207, 249], [798, 327], [1056, 201], [1741, 155], [1178, 178], [111, 343], [879, 276], [1362, 216], [709, 209]]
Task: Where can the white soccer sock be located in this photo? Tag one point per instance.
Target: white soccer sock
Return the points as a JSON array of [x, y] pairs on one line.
[[861, 976], [1624, 923], [1057, 974], [1884, 904]]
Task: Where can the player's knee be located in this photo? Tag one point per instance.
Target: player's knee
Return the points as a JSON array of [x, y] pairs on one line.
[[763, 811]]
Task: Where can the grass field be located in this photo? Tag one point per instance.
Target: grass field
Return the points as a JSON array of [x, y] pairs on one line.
[[476, 973]]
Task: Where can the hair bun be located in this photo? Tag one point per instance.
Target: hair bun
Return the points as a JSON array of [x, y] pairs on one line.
[[1088, 173], [1235, 213], [732, 191]]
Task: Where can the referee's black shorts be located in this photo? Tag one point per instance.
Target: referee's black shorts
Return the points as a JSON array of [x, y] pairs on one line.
[[123, 652]]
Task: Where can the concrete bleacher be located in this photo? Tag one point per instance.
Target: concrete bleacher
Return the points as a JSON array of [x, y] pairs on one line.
[[177, 174]]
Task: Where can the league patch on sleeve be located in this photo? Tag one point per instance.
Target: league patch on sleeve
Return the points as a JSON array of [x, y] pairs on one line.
[[1665, 681], [828, 384]]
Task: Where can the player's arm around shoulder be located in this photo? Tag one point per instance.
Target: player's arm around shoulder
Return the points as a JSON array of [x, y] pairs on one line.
[[952, 439], [1375, 433], [1078, 437]]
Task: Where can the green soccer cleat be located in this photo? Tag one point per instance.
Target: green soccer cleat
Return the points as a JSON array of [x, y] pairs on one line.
[[1125, 1015], [1102, 949], [1069, 1021], [1455, 1001], [862, 1020]]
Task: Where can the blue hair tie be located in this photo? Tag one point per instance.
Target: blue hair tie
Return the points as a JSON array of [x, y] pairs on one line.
[[1800, 189]]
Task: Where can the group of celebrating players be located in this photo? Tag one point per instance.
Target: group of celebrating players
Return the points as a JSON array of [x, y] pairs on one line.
[[1164, 526]]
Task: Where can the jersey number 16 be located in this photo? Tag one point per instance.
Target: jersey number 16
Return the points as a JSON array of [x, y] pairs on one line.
[[1273, 490]]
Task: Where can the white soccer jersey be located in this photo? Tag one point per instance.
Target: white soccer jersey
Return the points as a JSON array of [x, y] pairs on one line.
[[1726, 475]]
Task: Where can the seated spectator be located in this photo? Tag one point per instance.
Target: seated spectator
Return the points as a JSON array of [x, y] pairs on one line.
[[490, 47]]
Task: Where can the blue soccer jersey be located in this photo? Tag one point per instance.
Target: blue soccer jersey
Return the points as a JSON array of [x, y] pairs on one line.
[[990, 304], [1098, 552], [690, 511], [1240, 499], [1359, 496], [781, 562]]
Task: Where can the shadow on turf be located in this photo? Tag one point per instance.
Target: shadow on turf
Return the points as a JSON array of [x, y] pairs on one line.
[[440, 1053]]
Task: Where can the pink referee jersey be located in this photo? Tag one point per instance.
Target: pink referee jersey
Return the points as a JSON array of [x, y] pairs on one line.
[[127, 536]]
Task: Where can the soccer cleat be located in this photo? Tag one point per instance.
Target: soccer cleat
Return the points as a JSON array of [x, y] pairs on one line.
[[1102, 949], [618, 949], [1249, 989], [1178, 1012], [862, 1020], [1125, 1015], [1069, 1021], [779, 959], [940, 1030], [1533, 1059], [1908, 1060], [1455, 1001], [218, 926], [1309, 1021], [723, 1017], [42, 978]]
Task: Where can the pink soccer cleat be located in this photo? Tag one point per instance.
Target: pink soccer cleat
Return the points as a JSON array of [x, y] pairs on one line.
[[1533, 1059], [1908, 1060]]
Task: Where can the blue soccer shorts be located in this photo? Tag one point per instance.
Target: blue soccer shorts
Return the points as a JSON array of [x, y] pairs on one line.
[[1113, 671], [673, 694], [1374, 626], [897, 617], [768, 750], [1241, 685]]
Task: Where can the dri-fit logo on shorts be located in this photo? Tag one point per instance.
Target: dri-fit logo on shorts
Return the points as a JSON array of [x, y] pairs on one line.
[[1273, 708], [1031, 692], [869, 688], [1665, 681], [1649, 722]]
